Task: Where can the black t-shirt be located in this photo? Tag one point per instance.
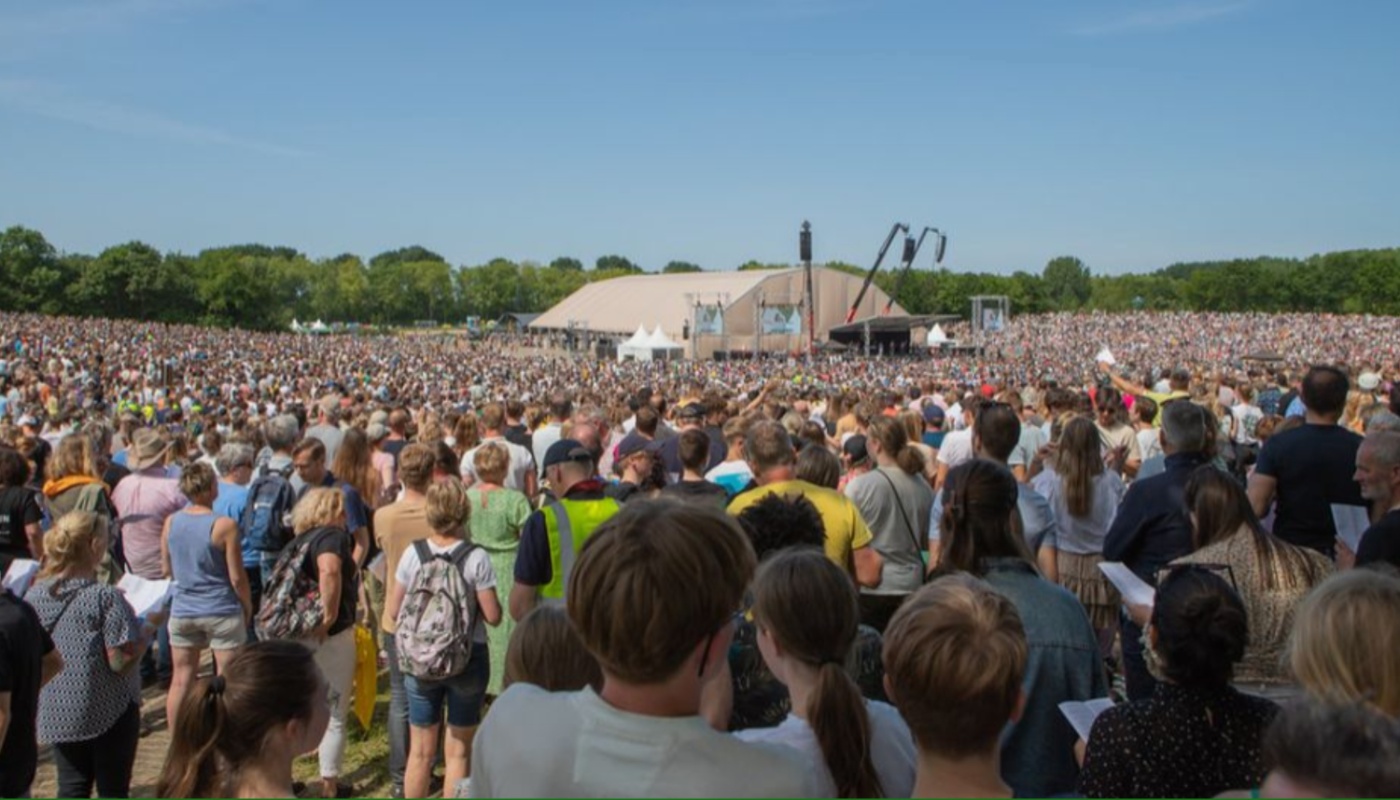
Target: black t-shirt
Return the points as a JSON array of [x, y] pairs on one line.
[[393, 447], [338, 542], [18, 507], [114, 475], [670, 454], [519, 434], [699, 492], [23, 645], [1381, 542], [1313, 465]]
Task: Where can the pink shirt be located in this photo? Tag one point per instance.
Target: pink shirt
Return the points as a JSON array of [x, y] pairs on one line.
[[143, 500]]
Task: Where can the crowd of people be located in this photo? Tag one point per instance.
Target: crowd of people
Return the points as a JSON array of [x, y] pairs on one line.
[[793, 576]]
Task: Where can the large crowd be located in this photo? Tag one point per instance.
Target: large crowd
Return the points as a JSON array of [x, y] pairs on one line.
[[1140, 555]]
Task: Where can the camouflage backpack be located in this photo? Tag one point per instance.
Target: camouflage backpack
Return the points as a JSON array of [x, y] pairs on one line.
[[434, 634], [291, 601]]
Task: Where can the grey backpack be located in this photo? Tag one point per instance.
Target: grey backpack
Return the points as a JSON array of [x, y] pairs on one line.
[[436, 620]]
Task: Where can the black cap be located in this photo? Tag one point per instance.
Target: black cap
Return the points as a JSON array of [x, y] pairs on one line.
[[855, 448], [566, 450], [691, 411]]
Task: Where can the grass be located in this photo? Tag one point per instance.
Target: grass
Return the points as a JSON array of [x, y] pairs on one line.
[[366, 766]]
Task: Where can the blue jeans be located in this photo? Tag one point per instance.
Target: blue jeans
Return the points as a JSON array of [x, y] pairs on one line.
[[398, 714], [156, 663], [462, 694]]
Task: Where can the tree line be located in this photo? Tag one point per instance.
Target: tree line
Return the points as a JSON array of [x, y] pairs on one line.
[[264, 287]]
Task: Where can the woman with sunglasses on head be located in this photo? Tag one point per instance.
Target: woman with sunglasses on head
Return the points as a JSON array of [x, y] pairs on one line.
[[1196, 736], [1271, 575], [806, 611]]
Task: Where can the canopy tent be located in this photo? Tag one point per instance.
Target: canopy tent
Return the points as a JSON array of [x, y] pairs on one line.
[[660, 341], [648, 347], [937, 336]]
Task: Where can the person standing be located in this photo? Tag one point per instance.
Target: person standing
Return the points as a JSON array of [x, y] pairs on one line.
[[212, 604], [1378, 473], [28, 661], [1308, 469], [90, 712], [396, 527], [234, 463], [895, 501], [497, 516], [144, 500]]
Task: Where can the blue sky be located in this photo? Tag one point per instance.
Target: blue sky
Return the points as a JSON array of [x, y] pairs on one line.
[[1130, 134]]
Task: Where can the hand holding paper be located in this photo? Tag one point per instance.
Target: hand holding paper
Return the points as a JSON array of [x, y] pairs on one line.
[[20, 575], [1081, 715], [146, 598], [1351, 522], [1135, 590], [1105, 356]]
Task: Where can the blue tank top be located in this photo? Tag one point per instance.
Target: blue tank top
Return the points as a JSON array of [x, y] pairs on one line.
[[200, 571]]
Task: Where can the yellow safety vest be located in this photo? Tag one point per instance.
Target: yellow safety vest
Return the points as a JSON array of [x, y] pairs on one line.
[[569, 523]]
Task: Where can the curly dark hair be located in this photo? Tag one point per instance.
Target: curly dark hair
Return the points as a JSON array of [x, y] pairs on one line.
[[14, 469], [777, 522]]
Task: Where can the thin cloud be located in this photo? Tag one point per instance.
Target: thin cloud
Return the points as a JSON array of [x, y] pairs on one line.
[[44, 100], [1162, 18], [29, 33]]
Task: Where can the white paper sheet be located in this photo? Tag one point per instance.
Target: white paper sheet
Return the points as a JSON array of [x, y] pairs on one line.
[[379, 567], [1351, 522], [1105, 356], [1081, 715], [20, 576], [144, 596], [1134, 590]]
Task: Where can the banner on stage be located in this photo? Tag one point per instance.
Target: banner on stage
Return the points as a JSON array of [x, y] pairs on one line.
[[782, 319]]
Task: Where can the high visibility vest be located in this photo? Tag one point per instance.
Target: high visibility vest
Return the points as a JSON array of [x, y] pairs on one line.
[[569, 523]]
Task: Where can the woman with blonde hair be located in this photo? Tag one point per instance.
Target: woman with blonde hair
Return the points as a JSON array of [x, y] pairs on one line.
[[1085, 497], [90, 712], [73, 479], [318, 521], [447, 509], [1346, 639], [807, 613], [496, 517]]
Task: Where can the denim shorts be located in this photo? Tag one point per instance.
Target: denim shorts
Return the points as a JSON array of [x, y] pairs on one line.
[[463, 694]]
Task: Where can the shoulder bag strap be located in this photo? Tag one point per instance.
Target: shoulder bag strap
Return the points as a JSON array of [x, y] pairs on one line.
[[899, 504]]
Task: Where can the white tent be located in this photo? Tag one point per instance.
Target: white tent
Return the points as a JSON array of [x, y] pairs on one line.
[[937, 336], [648, 347], [659, 341], [637, 347]]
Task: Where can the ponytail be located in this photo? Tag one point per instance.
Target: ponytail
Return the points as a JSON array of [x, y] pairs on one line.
[[191, 768], [895, 442], [810, 608], [842, 726]]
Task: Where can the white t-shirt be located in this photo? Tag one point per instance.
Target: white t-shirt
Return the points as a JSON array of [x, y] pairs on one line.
[[477, 570], [1149, 443], [573, 744], [891, 748], [957, 448], [522, 463]]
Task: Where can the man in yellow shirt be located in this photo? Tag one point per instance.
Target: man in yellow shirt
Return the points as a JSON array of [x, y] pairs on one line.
[[773, 460]]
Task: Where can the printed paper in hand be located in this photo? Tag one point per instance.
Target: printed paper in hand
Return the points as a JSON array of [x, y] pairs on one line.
[[1134, 590], [144, 597], [1081, 715], [1351, 522], [20, 575], [1105, 356]]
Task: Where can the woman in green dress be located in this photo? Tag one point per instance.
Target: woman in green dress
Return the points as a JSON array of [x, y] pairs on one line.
[[497, 516]]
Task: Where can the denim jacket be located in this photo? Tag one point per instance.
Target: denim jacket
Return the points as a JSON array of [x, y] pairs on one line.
[[1037, 754]]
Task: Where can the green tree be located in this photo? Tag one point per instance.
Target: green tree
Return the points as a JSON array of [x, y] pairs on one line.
[[1067, 282], [615, 263], [32, 275], [566, 263], [405, 255], [681, 266]]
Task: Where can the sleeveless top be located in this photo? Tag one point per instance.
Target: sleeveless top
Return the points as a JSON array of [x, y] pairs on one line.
[[199, 568]]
